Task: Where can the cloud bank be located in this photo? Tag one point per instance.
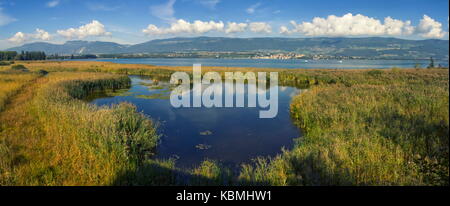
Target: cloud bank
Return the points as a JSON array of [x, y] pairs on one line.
[[200, 27], [182, 26], [260, 27], [360, 25], [20, 37], [233, 27], [93, 29], [331, 26]]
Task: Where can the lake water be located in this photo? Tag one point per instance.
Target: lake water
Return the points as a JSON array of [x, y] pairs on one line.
[[275, 63], [228, 135]]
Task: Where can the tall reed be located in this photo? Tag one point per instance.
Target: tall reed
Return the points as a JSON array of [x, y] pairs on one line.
[[77, 143]]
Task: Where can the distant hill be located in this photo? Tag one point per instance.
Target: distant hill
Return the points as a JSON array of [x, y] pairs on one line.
[[374, 47], [73, 47]]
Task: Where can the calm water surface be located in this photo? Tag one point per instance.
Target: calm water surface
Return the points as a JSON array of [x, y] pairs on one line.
[[275, 63], [229, 135]]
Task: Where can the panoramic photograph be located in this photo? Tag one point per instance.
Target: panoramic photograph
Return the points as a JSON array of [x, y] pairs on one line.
[[254, 93]]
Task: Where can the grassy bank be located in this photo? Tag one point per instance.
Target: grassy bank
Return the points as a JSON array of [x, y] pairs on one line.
[[367, 128], [51, 137]]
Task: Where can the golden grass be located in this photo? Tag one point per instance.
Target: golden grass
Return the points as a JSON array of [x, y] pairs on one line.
[[50, 137], [115, 67], [11, 83], [390, 128]]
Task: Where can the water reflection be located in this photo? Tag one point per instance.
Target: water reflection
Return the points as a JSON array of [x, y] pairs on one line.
[[228, 135]]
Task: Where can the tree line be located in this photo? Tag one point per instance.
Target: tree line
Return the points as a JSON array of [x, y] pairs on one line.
[[23, 56], [84, 56]]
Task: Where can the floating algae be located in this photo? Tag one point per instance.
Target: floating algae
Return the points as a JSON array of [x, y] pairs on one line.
[[157, 87], [206, 133], [120, 92], [163, 96], [203, 147]]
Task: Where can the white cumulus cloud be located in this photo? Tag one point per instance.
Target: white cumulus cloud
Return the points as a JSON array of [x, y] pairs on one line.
[[4, 18], [430, 28], [233, 27], [260, 27], [182, 26], [18, 38], [42, 35], [95, 28], [348, 24], [396, 27], [21, 37], [360, 25], [284, 30]]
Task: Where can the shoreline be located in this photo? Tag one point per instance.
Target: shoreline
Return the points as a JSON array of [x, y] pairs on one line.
[[189, 68]]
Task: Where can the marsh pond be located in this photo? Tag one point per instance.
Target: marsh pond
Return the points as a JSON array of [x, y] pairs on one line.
[[230, 136]]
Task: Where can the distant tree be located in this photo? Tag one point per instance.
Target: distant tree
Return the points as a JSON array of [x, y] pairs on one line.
[[431, 65], [7, 55], [34, 55]]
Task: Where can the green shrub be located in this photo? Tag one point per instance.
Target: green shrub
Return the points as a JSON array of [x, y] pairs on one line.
[[375, 73], [42, 72], [4, 63], [19, 67], [210, 173]]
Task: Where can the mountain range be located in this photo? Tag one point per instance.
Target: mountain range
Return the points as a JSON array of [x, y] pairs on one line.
[[372, 47]]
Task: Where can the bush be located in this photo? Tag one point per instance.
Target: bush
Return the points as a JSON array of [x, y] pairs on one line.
[[42, 72], [19, 67], [375, 73]]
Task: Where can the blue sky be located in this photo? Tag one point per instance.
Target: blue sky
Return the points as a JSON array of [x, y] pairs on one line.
[[136, 21]]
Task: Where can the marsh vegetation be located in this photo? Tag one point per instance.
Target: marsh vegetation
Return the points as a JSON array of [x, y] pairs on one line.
[[360, 127]]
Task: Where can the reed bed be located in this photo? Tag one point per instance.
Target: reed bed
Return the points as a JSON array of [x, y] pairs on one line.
[[67, 141], [374, 128], [360, 127]]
